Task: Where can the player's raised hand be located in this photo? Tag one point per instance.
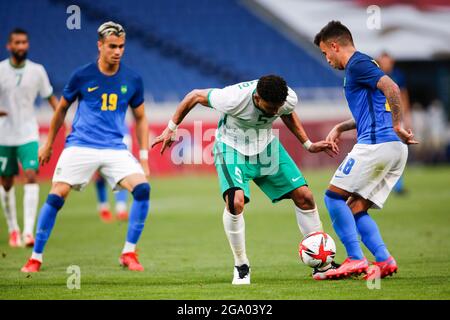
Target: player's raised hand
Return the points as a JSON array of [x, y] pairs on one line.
[[329, 147], [406, 136], [167, 138], [44, 154]]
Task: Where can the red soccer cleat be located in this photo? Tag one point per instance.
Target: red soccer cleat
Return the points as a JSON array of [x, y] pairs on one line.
[[129, 259], [28, 239], [106, 215], [122, 216], [14, 239], [382, 269], [347, 269], [32, 265]]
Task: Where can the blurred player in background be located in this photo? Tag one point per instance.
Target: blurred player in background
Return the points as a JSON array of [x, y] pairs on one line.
[[387, 65], [370, 171], [104, 89], [21, 80], [121, 196], [245, 150]]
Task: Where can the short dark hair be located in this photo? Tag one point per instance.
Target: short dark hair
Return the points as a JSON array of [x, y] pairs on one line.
[[334, 30], [16, 31], [272, 88]]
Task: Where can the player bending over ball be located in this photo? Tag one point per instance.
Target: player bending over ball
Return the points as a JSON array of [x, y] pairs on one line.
[[246, 149]]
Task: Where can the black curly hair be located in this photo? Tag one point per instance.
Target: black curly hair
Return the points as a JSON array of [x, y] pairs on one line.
[[273, 89]]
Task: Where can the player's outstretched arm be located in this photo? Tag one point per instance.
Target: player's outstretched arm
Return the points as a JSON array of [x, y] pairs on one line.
[[392, 93], [45, 151], [294, 124], [142, 136], [337, 130], [167, 137]]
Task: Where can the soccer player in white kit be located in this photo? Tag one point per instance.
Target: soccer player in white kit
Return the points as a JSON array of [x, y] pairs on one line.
[[247, 150], [21, 80]]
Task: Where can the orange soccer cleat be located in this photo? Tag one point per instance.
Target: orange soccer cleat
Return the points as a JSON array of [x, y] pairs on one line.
[[106, 215], [129, 259], [32, 265], [382, 269], [14, 239]]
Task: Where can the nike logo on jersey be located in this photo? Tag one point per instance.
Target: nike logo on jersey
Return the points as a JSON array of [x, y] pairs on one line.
[[295, 179], [92, 89]]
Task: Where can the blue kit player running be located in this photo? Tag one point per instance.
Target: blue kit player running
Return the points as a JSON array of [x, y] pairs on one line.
[[104, 90], [370, 171]]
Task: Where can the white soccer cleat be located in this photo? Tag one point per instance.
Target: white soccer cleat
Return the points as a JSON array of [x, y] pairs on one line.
[[241, 275]]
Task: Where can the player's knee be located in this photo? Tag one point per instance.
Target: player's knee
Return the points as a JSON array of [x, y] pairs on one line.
[[61, 189], [303, 198], [235, 201], [141, 192], [7, 183], [30, 176]]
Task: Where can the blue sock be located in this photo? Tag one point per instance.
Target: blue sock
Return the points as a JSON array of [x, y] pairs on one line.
[[122, 196], [46, 221], [138, 212], [344, 224], [370, 236], [399, 185], [102, 193]]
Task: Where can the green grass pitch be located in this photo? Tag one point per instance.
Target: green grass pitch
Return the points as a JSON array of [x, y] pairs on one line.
[[186, 255]]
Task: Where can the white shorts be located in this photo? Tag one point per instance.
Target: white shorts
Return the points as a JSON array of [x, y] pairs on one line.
[[76, 165], [372, 170]]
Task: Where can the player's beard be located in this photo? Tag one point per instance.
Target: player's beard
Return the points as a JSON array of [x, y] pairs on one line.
[[19, 56]]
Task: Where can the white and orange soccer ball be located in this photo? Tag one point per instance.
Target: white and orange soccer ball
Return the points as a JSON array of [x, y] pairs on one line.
[[317, 250]]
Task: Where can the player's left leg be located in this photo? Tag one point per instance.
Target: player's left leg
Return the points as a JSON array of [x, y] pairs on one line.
[[28, 157], [8, 201], [371, 237], [122, 170], [140, 189]]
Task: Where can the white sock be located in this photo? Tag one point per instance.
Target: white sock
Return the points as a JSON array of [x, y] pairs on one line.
[[121, 206], [308, 220], [234, 226], [8, 200], [129, 247], [103, 206], [30, 205], [36, 256]]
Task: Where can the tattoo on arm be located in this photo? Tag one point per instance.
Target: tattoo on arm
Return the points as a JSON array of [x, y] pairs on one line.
[[392, 94]]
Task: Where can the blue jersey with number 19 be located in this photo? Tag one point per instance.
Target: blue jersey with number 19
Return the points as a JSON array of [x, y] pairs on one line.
[[367, 103], [102, 104]]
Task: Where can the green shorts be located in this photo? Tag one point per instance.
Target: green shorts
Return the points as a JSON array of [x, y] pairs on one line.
[[273, 170], [26, 153]]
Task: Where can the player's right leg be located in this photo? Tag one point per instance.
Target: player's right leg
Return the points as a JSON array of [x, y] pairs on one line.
[[233, 180], [46, 221], [8, 169], [74, 169]]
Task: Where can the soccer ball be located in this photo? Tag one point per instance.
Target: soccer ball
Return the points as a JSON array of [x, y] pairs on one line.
[[317, 250]]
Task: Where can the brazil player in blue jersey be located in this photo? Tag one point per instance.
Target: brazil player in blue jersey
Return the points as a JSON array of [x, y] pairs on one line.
[[104, 90], [369, 172]]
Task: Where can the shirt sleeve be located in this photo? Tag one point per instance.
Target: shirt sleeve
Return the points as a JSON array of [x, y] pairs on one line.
[[290, 104], [366, 73], [138, 97], [45, 88], [226, 100], [72, 88]]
